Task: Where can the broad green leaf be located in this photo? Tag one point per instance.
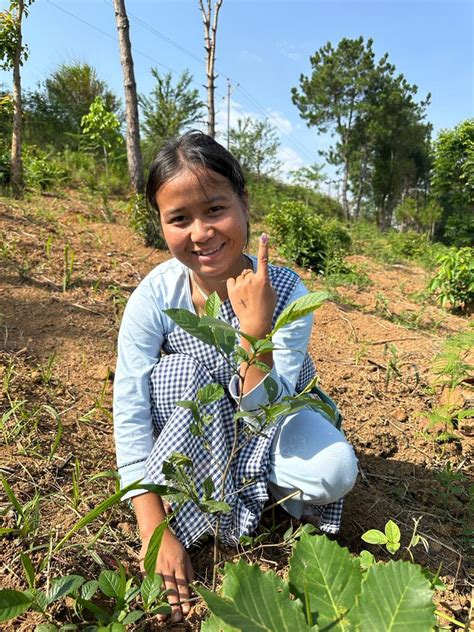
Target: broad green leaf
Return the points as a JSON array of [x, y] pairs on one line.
[[111, 584], [392, 532], [191, 324], [39, 599], [332, 576], [392, 547], [374, 536], [89, 589], [366, 559], [301, 307], [180, 460], [62, 586], [210, 393], [133, 616], [214, 624], [213, 305], [150, 588], [102, 615], [29, 570], [255, 601], [153, 548], [208, 487], [13, 603], [397, 597], [271, 388]]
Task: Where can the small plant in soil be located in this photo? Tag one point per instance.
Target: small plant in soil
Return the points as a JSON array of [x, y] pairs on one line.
[[68, 266]]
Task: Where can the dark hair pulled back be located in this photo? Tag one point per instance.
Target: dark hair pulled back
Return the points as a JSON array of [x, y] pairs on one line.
[[192, 150]]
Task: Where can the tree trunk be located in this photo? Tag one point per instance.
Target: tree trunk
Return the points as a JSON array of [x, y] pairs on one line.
[[210, 32], [16, 162], [345, 186], [134, 156]]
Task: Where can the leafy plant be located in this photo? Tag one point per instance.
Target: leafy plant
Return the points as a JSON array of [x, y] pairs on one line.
[[68, 266], [307, 238], [390, 537], [454, 281], [451, 365], [327, 589]]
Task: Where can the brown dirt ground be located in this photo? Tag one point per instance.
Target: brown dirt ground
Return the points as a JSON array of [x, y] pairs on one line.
[[58, 350]]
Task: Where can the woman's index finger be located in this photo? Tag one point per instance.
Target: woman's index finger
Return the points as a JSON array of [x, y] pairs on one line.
[[262, 266]]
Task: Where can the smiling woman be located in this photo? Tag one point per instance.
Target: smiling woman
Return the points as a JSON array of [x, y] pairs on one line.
[[198, 190]]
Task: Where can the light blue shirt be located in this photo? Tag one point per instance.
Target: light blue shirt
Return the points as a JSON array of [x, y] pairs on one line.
[[142, 333]]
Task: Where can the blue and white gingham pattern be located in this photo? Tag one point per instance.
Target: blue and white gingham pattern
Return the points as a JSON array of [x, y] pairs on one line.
[[189, 364]]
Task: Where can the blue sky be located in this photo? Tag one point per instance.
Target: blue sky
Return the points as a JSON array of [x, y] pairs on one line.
[[263, 47]]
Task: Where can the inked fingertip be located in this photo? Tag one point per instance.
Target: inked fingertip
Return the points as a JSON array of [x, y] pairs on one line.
[[264, 238]]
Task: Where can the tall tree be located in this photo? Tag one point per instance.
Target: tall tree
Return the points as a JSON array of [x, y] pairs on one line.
[[333, 97], [168, 110], [210, 18], [12, 55], [134, 156], [255, 144], [453, 183]]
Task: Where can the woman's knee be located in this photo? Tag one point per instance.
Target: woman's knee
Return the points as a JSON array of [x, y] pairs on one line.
[[339, 471]]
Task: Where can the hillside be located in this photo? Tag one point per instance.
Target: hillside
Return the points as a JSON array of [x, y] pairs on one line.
[[66, 274]]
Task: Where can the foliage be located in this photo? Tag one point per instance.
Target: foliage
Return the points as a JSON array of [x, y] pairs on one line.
[[53, 112], [101, 129], [327, 589], [381, 143], [390, 537], [418, 215], [451, 365], [255, 144], [309, 177], [454, 281], [10, 33], [144, 220], [453, 183], [168, 110], [43, 169], [307, 238]]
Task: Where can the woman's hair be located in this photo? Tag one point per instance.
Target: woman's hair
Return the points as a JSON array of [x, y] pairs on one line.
[[192, 150]]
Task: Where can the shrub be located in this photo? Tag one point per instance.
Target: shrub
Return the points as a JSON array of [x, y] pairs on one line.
[[305, 237], [454, 281], [459, 230], [42, 170], [4, 167]]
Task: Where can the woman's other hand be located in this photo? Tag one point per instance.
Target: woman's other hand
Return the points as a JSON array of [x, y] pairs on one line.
[[252, 296], [174, 565]]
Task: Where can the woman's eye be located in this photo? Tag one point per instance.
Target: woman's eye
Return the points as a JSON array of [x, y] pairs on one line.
[[215, 209], [178, 219]]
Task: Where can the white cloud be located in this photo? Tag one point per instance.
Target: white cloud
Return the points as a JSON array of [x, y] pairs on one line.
[[291, 51], [281, 123], [249, 56], [290, 160]]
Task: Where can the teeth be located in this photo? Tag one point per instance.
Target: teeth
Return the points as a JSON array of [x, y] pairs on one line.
[[207, 252]]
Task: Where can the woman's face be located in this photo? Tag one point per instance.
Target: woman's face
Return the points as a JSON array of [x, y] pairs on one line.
[[204, 224]]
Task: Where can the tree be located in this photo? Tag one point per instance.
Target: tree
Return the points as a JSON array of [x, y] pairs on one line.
[[101, 129], [12, 56], [168, 110], [134, 157], [210, 31], [453, 183], [333, 97], [309, 177], [255, 144], [59, 104]]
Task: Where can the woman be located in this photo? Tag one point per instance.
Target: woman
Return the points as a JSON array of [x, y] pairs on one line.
[[198, 190]]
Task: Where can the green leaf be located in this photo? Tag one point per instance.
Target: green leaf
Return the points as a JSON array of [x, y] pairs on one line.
[[392, 532], [11, 497], [271, 388], [301, 307], [153, 548], [151, 588], [395, 596], [29, 570], [62, 586], [89, 589], [332, 576], [111, 584], [208, 487], [254, 601], [366, 559], [133, 616], [13, 603], [392, 547], [374, 536], [214, 624], [48, 627], [191, 324], [215, 506], [213, 305], [102, 615], [210, 393]]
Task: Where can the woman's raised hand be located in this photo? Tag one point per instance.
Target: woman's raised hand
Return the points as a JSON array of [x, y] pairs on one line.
[[252, 296]]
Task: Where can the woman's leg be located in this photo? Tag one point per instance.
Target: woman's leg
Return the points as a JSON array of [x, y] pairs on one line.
[[310, 456]]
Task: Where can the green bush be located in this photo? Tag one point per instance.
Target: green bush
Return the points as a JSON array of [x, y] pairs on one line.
[[306, 238], [4, 167], [407, 245], [43, 170], [454, 281], [459, 229]]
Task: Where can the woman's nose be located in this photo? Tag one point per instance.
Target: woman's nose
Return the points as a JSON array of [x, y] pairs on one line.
[[201, 231]]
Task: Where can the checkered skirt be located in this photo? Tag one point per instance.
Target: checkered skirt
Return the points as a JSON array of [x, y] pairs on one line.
[[187, 365]]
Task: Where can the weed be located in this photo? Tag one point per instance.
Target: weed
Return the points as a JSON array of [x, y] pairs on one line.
[[441, 424], [68, 266], [451, 365], [381, 306], [26, 517], [47, 246], [76, 476], [119, 300], [46, 370], [454, 281], [452, 481]]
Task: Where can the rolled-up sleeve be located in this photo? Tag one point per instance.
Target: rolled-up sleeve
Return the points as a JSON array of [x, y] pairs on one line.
[[139, 345]]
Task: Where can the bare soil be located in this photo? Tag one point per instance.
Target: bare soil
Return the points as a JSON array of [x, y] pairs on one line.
[[57, 358]]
